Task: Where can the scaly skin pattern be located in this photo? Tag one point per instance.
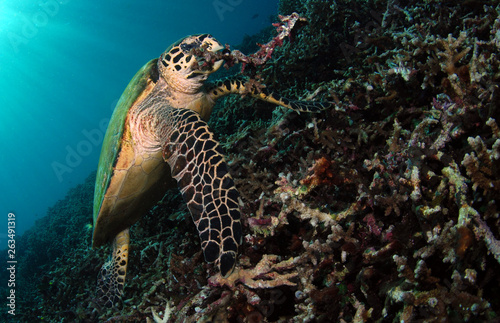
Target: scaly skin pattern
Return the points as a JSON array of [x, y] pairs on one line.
[[111, 278], [198, 165], [242, 85], [165, 139]]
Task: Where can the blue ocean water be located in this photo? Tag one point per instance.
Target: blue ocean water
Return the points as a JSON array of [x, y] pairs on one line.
[[63, 66]]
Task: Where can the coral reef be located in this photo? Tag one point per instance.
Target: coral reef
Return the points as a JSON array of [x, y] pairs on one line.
[[381, 209]]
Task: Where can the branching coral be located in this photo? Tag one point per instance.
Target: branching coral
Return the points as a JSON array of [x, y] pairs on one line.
[[166, 314], [484, 231], [263, 275], [285, 28], [452, 55], [480, 165]]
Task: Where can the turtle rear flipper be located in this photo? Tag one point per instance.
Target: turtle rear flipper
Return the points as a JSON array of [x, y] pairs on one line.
[[244, 86], [198, 165], [111, 278]]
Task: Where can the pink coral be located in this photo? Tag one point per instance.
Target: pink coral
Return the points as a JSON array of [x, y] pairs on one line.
[[284, 28]]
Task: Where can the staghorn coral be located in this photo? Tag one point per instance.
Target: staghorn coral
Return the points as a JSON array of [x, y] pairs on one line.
[[265, 270], [481, 165], [166, 315], [450, 56]]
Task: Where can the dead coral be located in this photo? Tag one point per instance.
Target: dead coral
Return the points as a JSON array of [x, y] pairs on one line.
[[263, 275]]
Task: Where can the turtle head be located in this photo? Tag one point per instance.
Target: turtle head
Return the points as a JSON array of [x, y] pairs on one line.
[[190, 60]]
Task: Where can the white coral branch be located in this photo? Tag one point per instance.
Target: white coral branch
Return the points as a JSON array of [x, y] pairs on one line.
[[166, 314], [489, 238], [263, 275]]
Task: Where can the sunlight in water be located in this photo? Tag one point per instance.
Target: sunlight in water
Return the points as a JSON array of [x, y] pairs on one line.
[[40, 88]]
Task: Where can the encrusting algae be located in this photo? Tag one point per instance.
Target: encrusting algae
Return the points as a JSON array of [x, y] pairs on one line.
[[382, 208]]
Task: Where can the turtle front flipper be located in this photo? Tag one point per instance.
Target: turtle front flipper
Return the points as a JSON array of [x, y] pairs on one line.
[[244, 86], [111, 278], [198, 165]]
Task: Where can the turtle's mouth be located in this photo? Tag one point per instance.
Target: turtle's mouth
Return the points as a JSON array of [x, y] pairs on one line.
[[207, 61], [218, 62]]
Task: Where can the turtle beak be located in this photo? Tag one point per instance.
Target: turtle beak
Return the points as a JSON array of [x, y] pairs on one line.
[[217, 48], [219, 63], [216, 64], [210, 66]]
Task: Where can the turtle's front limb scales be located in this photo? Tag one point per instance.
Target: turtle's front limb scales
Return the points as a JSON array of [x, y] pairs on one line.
[[112, 276], [244, 86], [198, 165]]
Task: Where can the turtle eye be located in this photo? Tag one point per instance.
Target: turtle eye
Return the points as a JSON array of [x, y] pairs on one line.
[[186, 48]]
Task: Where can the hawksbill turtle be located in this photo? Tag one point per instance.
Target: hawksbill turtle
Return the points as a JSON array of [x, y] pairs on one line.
[[158, 138]]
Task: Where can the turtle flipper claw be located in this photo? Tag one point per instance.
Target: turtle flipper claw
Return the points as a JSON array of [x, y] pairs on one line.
[[198, 165]]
